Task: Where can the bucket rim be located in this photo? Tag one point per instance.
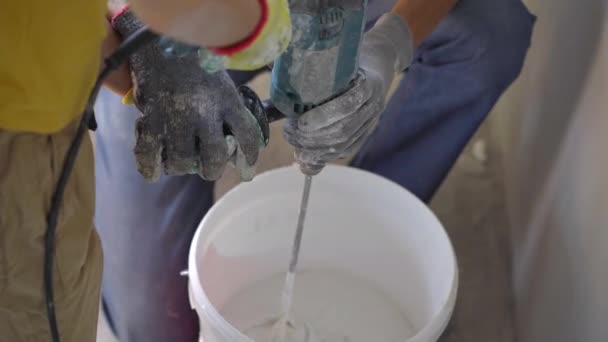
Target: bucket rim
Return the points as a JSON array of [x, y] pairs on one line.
[[434, 327]]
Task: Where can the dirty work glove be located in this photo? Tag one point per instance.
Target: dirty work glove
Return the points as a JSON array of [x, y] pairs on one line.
[[339, 128], [186, 113]]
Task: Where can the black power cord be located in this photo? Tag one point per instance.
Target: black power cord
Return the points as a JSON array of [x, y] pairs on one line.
[[140, 38]]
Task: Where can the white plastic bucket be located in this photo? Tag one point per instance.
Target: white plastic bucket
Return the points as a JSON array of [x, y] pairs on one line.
[[358, 223]]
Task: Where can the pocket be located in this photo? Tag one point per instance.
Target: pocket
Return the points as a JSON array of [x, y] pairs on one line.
[[24, 185], [74, 235]]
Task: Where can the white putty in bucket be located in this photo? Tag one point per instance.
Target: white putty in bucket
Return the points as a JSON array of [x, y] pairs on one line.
[[334, 306]]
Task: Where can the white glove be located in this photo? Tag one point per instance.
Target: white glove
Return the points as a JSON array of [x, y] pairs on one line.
[[339, 128]]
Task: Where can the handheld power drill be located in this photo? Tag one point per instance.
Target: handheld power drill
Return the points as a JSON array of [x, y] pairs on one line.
[[319, 65], [322, 59]]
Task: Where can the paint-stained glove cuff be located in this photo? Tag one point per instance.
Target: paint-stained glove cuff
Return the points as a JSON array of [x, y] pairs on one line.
[[125, 22], [387, 49], [392, 29]]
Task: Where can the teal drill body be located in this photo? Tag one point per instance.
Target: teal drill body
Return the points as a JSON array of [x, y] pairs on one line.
[[322, 59]]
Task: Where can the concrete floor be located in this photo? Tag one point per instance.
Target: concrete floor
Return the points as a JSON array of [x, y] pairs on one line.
[[471, 206]]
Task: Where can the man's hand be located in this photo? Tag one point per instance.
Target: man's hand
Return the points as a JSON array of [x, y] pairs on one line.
[[186, 115], [340, 127]]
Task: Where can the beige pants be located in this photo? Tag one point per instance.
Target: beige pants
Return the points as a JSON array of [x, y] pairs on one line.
[[29, 168]]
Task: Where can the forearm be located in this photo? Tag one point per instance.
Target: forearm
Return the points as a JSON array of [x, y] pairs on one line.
[[213, 23], [423, 16], [225, 34], [114, 6]]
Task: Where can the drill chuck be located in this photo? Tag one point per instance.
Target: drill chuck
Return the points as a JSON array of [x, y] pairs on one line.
[[310, 169]]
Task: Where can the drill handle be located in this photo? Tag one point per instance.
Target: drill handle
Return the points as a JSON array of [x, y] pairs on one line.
[[264, 112]]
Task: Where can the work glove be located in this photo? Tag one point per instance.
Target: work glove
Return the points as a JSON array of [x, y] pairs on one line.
[[187, 114], [340, 127]]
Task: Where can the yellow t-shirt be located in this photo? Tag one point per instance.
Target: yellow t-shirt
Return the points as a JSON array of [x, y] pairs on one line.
[[49, 60]]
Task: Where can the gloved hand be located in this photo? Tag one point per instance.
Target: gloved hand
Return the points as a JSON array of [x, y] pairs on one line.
[[339, 128], [186, 115]]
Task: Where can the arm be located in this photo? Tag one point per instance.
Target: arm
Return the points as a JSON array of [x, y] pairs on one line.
[[422, 16], [247, 34], [201, 22]]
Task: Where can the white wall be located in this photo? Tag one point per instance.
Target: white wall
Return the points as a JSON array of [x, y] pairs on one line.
[[553, 126]]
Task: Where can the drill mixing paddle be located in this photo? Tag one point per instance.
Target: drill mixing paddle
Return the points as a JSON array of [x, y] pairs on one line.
[[320, 64], [279, 331]]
